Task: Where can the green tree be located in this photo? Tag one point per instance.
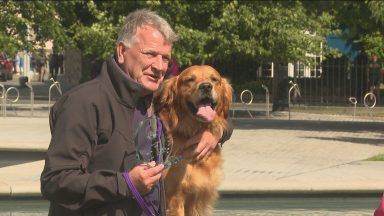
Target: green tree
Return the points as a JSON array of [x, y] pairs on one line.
[[366, 27], [226, 33], [28, 25]]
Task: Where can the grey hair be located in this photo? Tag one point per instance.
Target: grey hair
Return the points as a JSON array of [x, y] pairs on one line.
[[144, 17]]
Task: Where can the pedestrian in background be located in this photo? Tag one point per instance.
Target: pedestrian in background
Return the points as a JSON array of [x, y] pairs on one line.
[[21, 64], [40, 62], [60, 63], [53, 65], [16, 63]]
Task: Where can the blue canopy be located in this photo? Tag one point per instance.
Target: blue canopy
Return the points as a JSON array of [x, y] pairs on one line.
[[347, 47]]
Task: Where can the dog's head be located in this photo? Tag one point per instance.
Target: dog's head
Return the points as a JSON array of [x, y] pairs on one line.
[[199, 93]]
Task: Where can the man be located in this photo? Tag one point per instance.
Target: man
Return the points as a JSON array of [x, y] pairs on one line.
[[92, 154], [53, 65], [16, 63]]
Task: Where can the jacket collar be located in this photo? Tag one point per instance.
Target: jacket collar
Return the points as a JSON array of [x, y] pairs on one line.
[[127, 91]]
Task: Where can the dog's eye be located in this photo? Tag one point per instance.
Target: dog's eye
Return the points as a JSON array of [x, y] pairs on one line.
[[214, 79], [190, 79]]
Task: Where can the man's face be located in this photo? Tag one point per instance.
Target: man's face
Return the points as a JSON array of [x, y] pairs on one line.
[[146, 61]]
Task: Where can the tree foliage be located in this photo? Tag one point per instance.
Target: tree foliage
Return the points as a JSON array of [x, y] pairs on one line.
[[209, 31], [364, 21], [17, 18]]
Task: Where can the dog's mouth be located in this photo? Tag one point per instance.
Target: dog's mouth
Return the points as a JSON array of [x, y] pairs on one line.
[[204, 109]]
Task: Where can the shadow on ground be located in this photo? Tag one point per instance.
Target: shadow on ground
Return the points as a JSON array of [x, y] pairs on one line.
[[9, 158], [369, 141], [308, 125]]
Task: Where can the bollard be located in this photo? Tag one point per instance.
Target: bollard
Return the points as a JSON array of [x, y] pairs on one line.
[[370, 94], [289, 98], [374, 100], [58, 87], [266, 99], [6, 97], [354, 102], [297, 90], [250, 101], [32, 97]]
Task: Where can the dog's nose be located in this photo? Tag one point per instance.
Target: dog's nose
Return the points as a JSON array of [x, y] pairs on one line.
[[205, 86]]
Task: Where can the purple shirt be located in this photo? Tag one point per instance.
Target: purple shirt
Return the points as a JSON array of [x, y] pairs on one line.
[[143, 142]]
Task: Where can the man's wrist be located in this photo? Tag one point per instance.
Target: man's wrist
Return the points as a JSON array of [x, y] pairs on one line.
[[128, 190]]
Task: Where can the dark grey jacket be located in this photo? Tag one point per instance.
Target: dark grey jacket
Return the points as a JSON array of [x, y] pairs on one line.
[[91, 146]]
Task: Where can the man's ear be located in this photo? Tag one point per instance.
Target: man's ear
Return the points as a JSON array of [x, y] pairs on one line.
[[120, 49]]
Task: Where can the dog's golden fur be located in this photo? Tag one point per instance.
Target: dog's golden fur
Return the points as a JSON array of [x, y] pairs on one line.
[[191, 186]]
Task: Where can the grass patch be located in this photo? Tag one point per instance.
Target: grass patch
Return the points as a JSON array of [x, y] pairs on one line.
[[379, 157]]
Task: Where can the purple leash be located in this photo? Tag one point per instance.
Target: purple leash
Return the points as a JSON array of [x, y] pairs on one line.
[[159, 132], [143, 205]]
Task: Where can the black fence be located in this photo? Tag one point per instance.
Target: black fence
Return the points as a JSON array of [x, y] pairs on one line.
[[333, 84], [340, 79]]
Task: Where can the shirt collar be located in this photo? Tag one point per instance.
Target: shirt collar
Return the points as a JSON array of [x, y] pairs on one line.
[[127, 90]]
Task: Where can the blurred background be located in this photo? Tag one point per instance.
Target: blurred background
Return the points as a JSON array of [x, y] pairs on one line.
[[317, 63], [332, 50]]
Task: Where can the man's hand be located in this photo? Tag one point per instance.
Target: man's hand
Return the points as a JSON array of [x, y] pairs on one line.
[[144, 176], [205, 143]]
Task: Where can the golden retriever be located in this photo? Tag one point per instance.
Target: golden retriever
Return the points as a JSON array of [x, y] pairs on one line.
[[196, 100]]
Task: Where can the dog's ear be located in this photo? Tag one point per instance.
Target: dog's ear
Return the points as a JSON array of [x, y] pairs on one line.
[[164, 97], [163, 101], [226, 98]]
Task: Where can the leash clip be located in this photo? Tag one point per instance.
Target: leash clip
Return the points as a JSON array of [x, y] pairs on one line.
[[172, 161]]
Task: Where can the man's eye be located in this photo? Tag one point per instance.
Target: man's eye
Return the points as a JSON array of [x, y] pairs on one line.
[[150, 54], [166, 60]]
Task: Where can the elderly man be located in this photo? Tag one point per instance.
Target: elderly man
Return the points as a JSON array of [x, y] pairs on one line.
[[96, 164]]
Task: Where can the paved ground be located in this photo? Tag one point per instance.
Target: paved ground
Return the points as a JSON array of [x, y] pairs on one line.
[[303, 156], [311, 153], [263, 156]]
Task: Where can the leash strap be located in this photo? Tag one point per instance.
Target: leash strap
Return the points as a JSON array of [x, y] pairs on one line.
[[171, 160], [159, 144], [143, 205]]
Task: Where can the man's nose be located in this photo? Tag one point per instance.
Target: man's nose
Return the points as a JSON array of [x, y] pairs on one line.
[[159, 65]]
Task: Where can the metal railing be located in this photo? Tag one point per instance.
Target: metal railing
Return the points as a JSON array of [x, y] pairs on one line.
[[32, 96], [370, 104], [5, 98], [367, 97], [247, 103]]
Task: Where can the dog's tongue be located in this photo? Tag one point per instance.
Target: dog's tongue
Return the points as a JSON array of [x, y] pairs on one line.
[[206, 112]]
